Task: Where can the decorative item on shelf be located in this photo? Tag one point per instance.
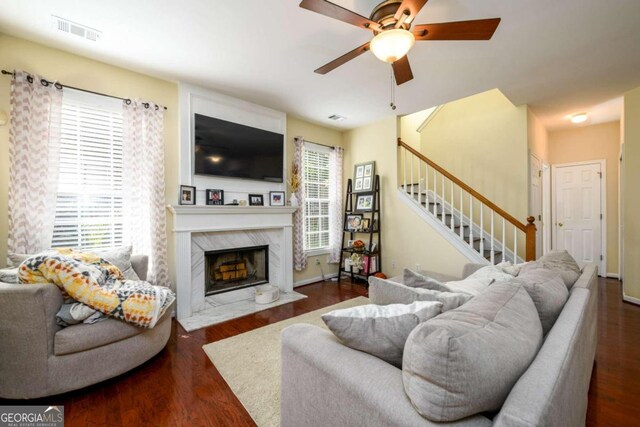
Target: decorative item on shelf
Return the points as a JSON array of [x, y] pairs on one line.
[[373, 247], [215, 197], [363, 174], [358, 245], [356, 262], [240, 202], [276, 198], [256, 200], [353, 222], [187, 195], [366, 223], [380, 275], [364, 202], [294, 182]]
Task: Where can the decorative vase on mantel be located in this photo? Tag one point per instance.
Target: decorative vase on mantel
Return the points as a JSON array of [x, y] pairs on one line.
[[293, 200]]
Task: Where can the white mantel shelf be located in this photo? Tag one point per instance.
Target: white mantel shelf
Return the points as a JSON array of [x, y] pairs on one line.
[[188, 220]]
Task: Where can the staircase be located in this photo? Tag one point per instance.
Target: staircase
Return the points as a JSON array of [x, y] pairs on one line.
[[477, 227]]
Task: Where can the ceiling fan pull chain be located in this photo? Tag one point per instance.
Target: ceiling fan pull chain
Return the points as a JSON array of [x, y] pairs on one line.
[[392, 104]]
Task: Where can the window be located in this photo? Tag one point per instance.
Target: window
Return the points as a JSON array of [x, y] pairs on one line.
[[89, 206], [315, 162]]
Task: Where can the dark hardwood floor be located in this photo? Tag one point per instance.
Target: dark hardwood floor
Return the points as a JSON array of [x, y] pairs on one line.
[[181, 387]]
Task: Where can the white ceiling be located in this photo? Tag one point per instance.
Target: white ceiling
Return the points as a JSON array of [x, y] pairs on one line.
[[559, 56]]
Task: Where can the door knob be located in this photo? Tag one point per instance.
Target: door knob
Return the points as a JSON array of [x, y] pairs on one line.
[[560, 224]]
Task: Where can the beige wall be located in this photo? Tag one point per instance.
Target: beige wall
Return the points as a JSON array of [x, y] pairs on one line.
[[594, 142], [406, 238], [537, 137], [631, 202], [321, 135], [482, 140], [88, 74]]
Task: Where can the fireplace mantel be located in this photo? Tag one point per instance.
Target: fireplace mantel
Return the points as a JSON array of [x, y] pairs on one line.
[[188, 220]]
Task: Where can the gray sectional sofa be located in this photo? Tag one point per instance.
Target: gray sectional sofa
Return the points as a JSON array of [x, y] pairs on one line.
[[326, 383], [39, 358]]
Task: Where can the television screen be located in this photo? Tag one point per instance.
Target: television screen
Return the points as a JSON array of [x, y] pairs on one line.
[[236, 151]]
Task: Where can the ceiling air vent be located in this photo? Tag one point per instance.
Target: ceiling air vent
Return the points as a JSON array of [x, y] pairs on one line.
[[76, 29], [337, 117]]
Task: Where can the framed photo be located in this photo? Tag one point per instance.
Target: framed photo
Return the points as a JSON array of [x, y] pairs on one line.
[[353, 222], [374, 246], [363, 174], [366, 223], [215, 197], [187, 195], [276, 198], [256, 200], [364, 202]]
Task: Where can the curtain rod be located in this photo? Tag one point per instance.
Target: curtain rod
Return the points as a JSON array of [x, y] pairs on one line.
[[127, 100], [322, 145]]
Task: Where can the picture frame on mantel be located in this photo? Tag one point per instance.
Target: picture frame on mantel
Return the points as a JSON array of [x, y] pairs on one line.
[[187, 195], [215, 197], [363, 174]]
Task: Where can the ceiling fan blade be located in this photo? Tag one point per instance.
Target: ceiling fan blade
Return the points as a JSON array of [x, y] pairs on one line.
[[402, 70], [412, 6], [480, 29], [331, 10], [343, 59]]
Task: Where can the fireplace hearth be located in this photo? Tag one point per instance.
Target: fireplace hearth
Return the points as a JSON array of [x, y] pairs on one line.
[[231, 269]]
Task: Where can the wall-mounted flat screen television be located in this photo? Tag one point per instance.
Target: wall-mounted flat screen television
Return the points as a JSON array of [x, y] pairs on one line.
[[233, 150]]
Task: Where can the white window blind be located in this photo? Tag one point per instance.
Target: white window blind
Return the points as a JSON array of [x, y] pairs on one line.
[[89, 207], [316, 181]]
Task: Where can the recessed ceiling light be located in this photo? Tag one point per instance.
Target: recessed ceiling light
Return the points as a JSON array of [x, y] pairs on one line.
[[579, 118], [337, 117]]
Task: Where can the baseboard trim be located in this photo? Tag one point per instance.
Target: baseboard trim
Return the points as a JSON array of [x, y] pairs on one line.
[[313, 280], [632, 300], [613, 276]]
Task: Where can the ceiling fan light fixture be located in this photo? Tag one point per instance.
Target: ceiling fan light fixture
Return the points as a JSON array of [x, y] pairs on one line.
[[579, 118], [391, 45]]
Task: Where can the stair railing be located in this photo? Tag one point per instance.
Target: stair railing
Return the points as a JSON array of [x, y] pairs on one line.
[[432, 177]]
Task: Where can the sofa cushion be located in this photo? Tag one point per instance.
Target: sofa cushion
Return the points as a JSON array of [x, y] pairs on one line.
[[563, 263], [9, 275], [82, 337], [468, 286], [384, 292], [548, 292], [491, 272], [466, 360], [121, 258], [380, 330]]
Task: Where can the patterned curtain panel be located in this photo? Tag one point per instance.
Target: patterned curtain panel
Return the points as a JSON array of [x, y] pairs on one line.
[[299, 255], [335, 204], [143, 179], [34, 147]]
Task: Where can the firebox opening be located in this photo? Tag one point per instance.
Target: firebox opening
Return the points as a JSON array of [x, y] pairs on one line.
[[231, 269]]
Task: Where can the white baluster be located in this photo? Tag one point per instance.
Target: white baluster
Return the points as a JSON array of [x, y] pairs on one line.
[[504, 240], [470, 221], [493, 252], [461, 212], [419, 182], [515, 245], [404, 169], [413, 182], [482, 229], [435, 193], [443, 202], [451, 207]]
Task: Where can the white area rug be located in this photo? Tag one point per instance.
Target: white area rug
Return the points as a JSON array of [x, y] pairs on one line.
[[250, 363]]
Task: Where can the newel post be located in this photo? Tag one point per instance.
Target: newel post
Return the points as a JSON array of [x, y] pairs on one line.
[[530, 232]]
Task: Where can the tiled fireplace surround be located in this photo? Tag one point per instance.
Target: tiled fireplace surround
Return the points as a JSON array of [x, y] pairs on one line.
[[198, 229]]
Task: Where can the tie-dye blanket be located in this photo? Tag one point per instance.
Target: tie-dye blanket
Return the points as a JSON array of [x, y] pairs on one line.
[[93, 281]]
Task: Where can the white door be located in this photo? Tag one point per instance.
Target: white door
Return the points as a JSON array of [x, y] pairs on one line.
[[577, 211], [536, 200]]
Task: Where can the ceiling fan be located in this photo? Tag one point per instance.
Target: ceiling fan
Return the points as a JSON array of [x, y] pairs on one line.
[[391, 22]]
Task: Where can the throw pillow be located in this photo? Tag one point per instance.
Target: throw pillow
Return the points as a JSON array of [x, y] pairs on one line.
[[467, 360], [121, 258], [383, 292], [548, 292], [16, 259], [563, 263], [380, 330], [470, 285], [9, 275], [491, 272], [414, 279]]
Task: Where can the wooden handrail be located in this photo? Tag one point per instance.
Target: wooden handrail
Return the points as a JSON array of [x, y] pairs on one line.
[[529, 229]]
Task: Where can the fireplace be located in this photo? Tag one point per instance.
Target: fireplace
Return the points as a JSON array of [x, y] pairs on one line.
[[230, 269]]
